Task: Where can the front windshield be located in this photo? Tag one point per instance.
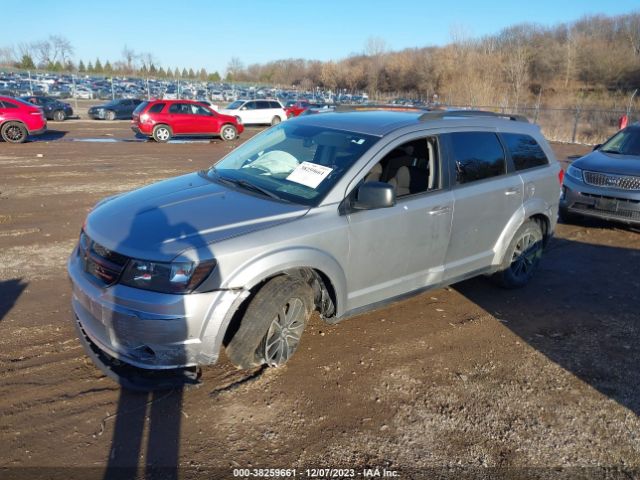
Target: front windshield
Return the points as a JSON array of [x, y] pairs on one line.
[[295, 163], [625, 142], [235, 105]]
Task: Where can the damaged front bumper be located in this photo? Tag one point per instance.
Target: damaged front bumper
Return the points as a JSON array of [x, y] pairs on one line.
[[150, 330]]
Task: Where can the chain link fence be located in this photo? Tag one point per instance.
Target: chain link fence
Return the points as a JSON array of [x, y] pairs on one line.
[[570, 125]]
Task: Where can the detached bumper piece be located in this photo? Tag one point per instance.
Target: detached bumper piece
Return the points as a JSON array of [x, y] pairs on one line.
[[134, 378]]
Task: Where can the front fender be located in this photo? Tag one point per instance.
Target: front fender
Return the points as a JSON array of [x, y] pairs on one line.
[[254, 271]]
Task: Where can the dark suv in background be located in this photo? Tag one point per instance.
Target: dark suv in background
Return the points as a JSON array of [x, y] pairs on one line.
[[53, 109], [605, 183], [114, 110]]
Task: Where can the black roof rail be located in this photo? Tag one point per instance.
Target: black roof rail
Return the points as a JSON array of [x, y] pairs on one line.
[[437, 114]]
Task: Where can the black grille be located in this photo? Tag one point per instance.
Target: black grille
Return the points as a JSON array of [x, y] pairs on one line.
[[99, 262], [608, 180]]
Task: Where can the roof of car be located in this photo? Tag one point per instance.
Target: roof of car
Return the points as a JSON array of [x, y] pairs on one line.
[[380, 122]]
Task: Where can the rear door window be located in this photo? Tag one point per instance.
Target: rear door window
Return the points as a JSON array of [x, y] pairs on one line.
[[180, 108], [525, 151], [477, 156]]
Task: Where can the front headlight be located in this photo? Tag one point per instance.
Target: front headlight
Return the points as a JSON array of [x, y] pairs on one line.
[[175, 277], [574, 172]]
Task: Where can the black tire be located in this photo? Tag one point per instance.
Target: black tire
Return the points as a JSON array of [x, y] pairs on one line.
[[59, 116], [162, 133], [110, 115], [260, 340], [14, 132], [228, 133], [276, 120], [522, 257]]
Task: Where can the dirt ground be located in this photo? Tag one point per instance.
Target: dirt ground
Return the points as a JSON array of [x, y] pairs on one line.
[[469, 381]]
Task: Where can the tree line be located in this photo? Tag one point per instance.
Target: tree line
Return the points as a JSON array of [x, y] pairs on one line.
[[55, 53], [592, 58]]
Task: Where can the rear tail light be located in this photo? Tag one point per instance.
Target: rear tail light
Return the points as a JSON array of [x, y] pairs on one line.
[[561, 176]]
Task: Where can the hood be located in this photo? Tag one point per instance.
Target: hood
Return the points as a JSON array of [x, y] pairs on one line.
[[162, 220], [598, 161]]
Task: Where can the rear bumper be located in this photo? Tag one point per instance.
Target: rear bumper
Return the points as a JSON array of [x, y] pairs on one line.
[[39, 131], [603, 203]]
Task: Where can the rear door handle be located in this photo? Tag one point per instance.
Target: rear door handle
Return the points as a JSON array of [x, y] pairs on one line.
[[441, 210], [512, 191]]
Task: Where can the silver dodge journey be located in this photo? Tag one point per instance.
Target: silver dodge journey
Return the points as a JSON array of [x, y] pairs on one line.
[[336, 212]]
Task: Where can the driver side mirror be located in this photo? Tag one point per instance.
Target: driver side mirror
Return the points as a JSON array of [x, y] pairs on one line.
[[372, 195], [243, 108]]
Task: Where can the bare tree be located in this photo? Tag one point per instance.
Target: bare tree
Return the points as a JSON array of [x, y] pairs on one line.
[[43, 53], [631, 28], [516, 54], [8, 56], [61, 48], [234, 68], [129, 57]]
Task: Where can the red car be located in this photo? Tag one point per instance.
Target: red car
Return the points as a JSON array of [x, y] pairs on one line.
[[164, 119], [19, 119], [294, 109]]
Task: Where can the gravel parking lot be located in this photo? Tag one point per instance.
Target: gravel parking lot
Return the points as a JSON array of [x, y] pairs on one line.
[[539, 382]]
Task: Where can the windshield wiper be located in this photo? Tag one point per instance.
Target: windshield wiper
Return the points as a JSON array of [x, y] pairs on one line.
[[610, 151], [248, 186]]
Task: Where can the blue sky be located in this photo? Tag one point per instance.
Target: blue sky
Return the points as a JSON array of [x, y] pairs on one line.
[[200, 33]]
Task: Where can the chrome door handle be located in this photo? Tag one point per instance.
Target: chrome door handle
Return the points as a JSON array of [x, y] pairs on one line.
[[439, 210], [512, 191]]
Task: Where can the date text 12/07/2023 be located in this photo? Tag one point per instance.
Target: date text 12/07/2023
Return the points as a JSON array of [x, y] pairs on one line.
[[373, 472]]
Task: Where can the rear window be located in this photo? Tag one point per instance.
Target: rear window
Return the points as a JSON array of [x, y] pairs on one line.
[[275, 105], [141, 107], [7, 104], [525, 151], [157, 108], [477, 156]]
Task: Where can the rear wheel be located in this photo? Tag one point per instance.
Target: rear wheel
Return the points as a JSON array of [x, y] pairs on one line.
[[228, 133], [14, 132], [522, 257], [275, 120], [161, 133], [59, 115], [271, 328]]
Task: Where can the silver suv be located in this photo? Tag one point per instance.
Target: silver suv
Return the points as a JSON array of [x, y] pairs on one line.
[[336, 213]]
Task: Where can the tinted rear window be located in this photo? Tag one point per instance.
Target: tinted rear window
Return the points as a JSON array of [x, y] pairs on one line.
[[477, 155], [7, 104], [157, 108], [525, 151], [140, 107], [275, 105]]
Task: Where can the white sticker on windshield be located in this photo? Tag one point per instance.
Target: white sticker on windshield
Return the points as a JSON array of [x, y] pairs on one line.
[[309, 174]]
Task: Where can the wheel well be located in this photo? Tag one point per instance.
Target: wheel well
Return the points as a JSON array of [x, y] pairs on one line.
[[323, 292], [162, 125], [544, 224]]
